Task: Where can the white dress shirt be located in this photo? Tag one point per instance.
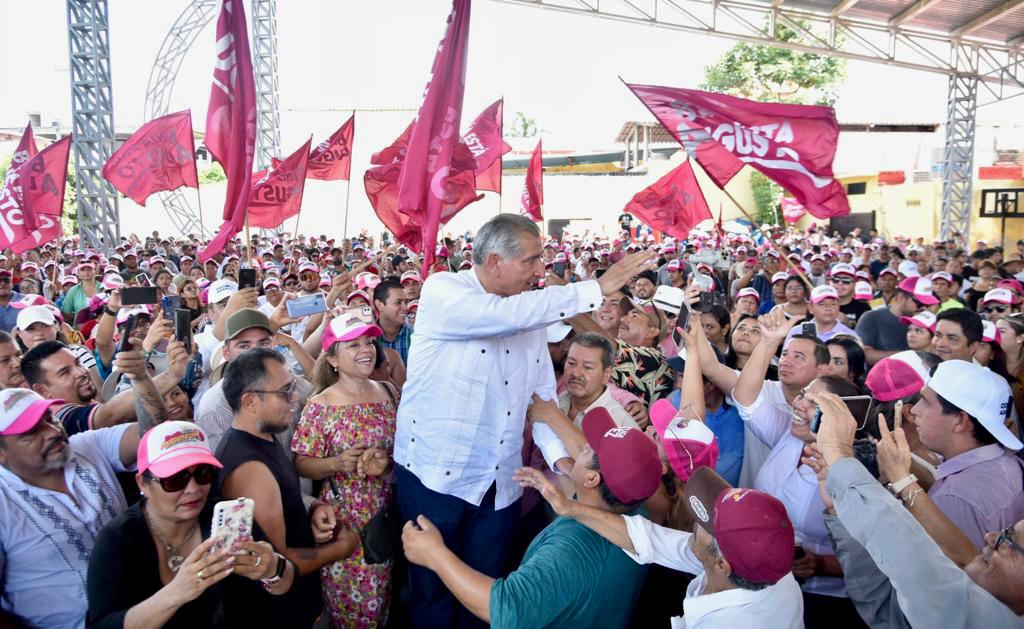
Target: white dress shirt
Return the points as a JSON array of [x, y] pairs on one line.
[[780, 606], [475, 362]]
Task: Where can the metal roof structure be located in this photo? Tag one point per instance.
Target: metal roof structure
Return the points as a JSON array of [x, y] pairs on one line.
[[981, 39]]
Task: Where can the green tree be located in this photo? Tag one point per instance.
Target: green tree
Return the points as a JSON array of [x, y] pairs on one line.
[[213, 174], [523, 126], [769, 74]]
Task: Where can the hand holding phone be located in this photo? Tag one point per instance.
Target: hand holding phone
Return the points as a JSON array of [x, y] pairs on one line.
[[306, 305], [138, 295], [232, 523], [246, 278], [809, 328], [183, 328]]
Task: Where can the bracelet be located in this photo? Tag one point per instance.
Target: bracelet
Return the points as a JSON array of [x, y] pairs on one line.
[[108, 311], [909, 499], [902, 484], [282, 564]]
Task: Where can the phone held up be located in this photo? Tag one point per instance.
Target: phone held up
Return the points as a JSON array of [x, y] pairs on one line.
[[232, 523]]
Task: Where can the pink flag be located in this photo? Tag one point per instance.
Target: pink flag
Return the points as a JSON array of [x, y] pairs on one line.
[[794, 145], [792, 209], [423, 191], [26, 147], [533, 189], [331, 160], [32, 198], [277, 194], [159, 156], [231, 119], [484, 140], [672, 204]]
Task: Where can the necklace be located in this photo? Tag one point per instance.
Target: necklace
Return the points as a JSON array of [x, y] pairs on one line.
[[174, 557]]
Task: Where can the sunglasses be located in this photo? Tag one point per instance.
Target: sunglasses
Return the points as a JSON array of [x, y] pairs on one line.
[[996, 309], [844, 282], [203, 475], [1004, 538]]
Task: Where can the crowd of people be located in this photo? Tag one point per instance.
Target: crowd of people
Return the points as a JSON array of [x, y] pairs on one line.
[[789, 428]]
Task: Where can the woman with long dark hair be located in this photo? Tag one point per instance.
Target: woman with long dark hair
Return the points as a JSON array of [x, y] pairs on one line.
[[848, 360]]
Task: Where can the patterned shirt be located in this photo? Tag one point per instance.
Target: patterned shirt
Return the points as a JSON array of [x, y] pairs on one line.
[[643, 371], [48, 536], [401, 342]]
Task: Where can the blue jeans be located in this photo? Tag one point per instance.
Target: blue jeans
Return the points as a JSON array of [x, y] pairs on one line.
[[479, 536]]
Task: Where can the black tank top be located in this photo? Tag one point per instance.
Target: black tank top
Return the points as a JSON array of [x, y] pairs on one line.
[[247, 603]]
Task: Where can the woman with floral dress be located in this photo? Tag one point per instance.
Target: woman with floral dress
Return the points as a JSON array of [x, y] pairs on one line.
[[345, 438]]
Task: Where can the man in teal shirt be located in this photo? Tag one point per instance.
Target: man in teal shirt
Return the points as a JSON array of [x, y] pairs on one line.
[[570, 575]]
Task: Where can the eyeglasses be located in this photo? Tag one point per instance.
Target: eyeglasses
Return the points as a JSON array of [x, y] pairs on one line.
[[996, 309], [203, 475], [844, 282], [1004, 538], [289, 392]]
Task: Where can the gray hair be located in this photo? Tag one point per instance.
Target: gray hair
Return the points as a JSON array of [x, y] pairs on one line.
[[502, 236]]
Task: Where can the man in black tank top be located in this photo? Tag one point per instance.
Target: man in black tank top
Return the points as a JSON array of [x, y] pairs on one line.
[[261, 393]]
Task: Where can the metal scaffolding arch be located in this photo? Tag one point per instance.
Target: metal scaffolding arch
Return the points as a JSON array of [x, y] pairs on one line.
[[92, 120], [264, 64], [162, 77]]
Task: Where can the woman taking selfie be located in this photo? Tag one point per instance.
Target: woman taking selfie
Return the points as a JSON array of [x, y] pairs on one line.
[[345, 438], [150, 566]]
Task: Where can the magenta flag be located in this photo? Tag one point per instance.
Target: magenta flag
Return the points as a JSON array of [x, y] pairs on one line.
[[32, 200], [231, 119], [159, 156], [484, 139], [26, 147], [793, 145], [672, 204], [792, 209], [331, 160], [423, 191], [277, 194], [533, 189]]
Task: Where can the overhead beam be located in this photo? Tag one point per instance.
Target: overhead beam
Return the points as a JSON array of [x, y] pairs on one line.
[[843, 7], [987, 18], [912, 11], [777, 3]]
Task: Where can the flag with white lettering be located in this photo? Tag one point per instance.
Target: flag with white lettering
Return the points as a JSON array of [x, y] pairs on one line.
[[277, 192], [484, 139], [793, 145], [32, 198], [331, 160]]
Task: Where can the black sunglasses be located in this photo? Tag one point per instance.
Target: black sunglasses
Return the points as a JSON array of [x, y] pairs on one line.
[[996, 309], [203, 475]]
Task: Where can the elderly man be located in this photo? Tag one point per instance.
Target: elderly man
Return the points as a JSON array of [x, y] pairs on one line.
[[57, 493], [478, 354], [10, 364], [588, 370], [570, 576]]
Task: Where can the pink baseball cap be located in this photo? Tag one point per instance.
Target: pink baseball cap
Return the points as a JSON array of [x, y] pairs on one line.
[[346, 327], [990, 333], [21, 410], [629, 461], [999, 296], [358, 293], [27, 301], [749, 292], [897, 376], [823, 292], [923, 319], [689, 444], [413, 305], [673, 265], [752, 528], [411, 276], [112, 281], [863, 291], [170, 447], [843, 269], [920, 288]]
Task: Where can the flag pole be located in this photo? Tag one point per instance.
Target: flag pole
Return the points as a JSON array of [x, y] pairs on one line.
[[348, 184]]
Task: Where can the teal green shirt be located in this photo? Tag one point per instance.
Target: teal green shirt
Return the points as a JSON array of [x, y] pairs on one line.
[[569, 577]]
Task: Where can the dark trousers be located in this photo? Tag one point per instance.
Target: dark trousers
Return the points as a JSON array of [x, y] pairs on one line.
[[479, 536], [830, 612]]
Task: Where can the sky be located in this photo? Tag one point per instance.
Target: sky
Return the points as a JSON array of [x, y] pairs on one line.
[[559, 69]]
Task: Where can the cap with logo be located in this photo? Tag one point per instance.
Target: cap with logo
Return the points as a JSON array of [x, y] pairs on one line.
[[823, 292], [920, 288], [897, 376], [908, 268], [21, 410], [244, 319], [990, 333], [688, 444], [751, 292], [669, 298], [843, 269], [978, 392], [751, 527], [411, 276], [347, 327], [863, 291], [170, 447], [923, 319], [999, 296], [628, 458], [781, 276], [221, 290]]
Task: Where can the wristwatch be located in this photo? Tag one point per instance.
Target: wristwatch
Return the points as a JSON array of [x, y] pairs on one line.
[[902, 484], [282, 564], [107, 310]]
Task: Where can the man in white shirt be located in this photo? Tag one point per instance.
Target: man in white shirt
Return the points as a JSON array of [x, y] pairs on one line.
[[478, 355], [740, 552]]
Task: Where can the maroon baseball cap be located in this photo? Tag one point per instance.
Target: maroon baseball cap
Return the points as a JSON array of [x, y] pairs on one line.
[[628, 458], [751, 527]]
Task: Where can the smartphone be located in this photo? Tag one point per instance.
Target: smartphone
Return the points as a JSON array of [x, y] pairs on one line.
[[183, 328], [307, 305], [682, 321], [126, 332], [170, 303], [897, 415], [143, 280], [138, 295], [558, 268], [707, 286], [232, 523], [857, 405], [809, 328], [246, 278]]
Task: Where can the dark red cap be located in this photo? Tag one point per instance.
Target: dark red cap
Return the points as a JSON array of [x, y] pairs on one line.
[[752, 528], [627, 457]]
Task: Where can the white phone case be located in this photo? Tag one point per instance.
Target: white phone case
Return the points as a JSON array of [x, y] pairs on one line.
[[232, 522]]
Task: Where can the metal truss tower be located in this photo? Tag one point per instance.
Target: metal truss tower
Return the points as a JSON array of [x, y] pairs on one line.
[[958, 159], [162, 77], [264, 65], [92, 120]]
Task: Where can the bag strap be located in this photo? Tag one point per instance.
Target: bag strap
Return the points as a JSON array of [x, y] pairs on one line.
[[392, 393]]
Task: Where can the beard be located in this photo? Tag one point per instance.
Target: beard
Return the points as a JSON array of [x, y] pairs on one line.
[[270, 428], [60, 461]]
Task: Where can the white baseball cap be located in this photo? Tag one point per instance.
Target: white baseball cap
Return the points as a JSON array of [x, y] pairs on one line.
[[557, 331], [1000, 296], [843, 269], [669, 298], [923, 319], [412, 276], [978, 392], [863, 291], [752, 292], [908, 269], [823, 292], [35, 314], [221, 290]]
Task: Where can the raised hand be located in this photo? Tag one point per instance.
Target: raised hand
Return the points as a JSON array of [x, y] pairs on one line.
[[893, 452], [775, 326], [529, 477], [623, 271]]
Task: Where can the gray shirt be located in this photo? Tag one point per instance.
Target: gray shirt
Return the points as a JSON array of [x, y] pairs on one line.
[[882, 330], [933, 591]]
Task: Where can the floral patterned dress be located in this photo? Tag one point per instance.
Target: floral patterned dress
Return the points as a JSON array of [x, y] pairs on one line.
[[355, 594]]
